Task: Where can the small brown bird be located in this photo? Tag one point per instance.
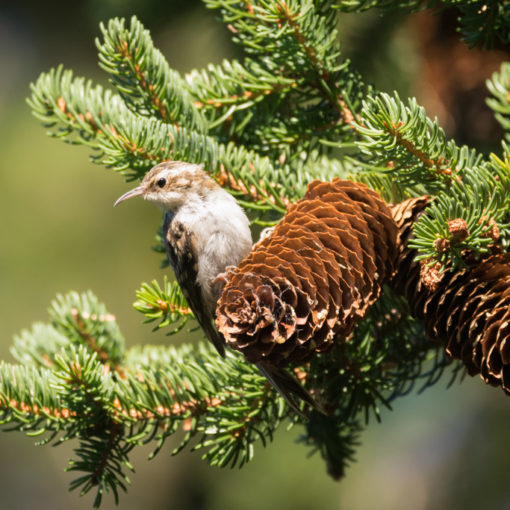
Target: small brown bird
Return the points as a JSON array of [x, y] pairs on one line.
[[206, 231]]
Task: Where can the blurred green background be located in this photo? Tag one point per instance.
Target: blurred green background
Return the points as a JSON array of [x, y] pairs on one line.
[[444, 449]]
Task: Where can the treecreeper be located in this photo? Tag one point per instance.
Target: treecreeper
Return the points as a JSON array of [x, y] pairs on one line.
[[206, 232]]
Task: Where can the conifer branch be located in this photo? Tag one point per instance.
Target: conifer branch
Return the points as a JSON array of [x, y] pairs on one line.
[[79, 113], [363, 5], [87, 323], [415, 148], [499, 87], [166, 304], [482, 22], [143, 77], [303, 48], [224, 406]]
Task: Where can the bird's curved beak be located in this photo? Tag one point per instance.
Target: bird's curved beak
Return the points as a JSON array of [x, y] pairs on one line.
[[135, 192]]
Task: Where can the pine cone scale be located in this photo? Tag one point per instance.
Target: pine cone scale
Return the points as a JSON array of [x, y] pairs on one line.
[[504, 340]]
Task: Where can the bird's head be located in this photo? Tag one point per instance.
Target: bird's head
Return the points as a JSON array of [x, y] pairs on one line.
[[172, 184]]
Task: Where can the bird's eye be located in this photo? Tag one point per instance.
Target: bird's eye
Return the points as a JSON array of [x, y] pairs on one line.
[[161, 182]]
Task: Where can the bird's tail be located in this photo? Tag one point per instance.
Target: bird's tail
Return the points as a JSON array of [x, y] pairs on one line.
[[289, 388]]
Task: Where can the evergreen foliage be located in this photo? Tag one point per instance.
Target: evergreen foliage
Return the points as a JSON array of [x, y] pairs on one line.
[[264, 126], [419, 157], [499, 87], [481, 22]]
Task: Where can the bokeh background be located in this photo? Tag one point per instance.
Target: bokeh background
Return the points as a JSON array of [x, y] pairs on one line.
[[442, 449]]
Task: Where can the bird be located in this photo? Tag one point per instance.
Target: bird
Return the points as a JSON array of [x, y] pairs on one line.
[[206, 233]]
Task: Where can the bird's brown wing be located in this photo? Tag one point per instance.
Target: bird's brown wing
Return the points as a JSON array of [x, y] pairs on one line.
[[181, 249]]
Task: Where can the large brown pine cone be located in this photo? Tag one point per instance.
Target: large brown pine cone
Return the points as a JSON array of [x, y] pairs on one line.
[[308, 282], [468, 311]]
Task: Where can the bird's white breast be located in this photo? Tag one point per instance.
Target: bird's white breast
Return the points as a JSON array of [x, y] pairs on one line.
[[222, 233]]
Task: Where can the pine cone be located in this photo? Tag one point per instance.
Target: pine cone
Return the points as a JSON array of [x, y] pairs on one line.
[[468, 311], [406, 280], [312, 278]]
